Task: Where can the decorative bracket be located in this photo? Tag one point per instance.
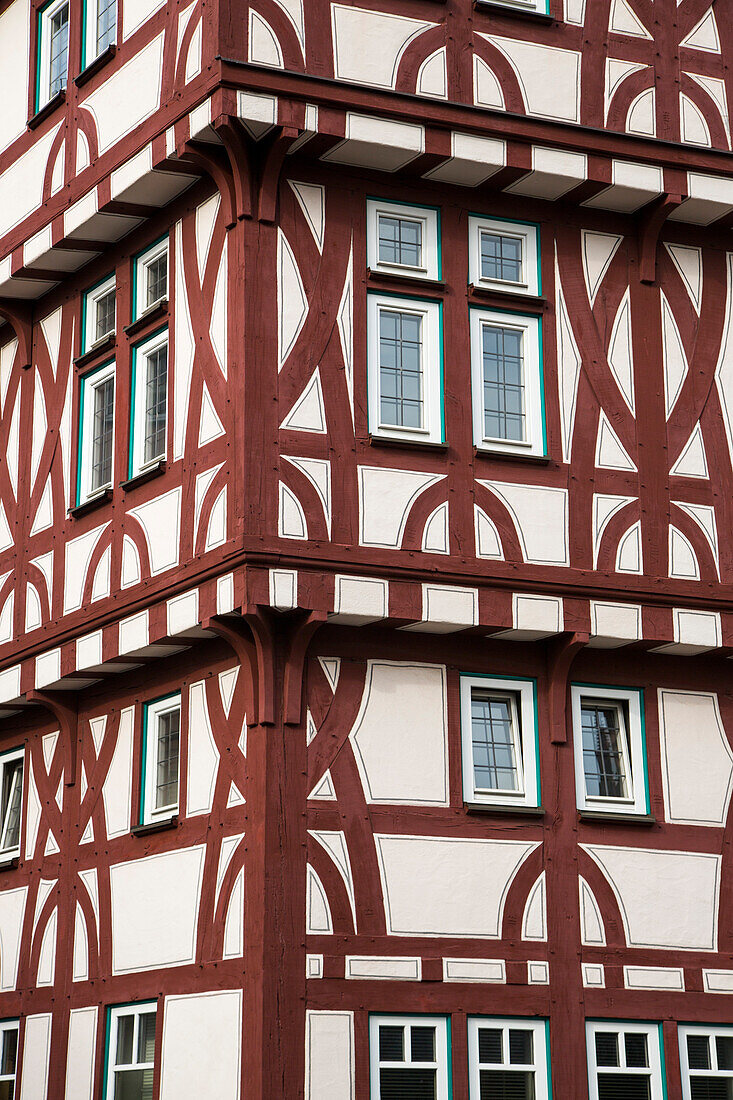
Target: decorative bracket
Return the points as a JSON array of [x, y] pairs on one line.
[[300, 639], [561, 652], [650, 226], [65, 709], [19, 316]]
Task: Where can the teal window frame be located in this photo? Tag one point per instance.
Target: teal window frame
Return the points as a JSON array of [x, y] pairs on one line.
[[151, 342], [9, 1025], [651, 1028], [152, 708], [83, 458], [90, 13], [88, 301], [9, 757], [112, 1014], [538, 1025], [709, 1032], [145, 255], [528, 232], [407, 1019], [428, 216], [632, 698], [42, 60]]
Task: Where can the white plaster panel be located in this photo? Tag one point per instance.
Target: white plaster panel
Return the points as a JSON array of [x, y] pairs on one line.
[[15, 25], [440, 886], [117, 789], [160, 519], [36, 1050], [594, 975], [717, 981], [155, 905], [129, 96], [383, 968], [670, 978], [378, 143], [184, 349], [203, 756], [21, 183], [47, 953], [400, 737], [474, 970], [137, 12], [80, 1053], [534, 918], [667, 899], [386, 497], [360, 600], [12, 911], [697, 761], [549, 78], [329, 1056], [368, 45], [540, 517], [78, 556], [201, 1049], [292, 301], [318, 920], [592, 930]]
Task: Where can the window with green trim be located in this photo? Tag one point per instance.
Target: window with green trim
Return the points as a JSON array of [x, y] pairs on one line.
[[500, 742], [624, 1060], [131, 1051], [507, 1059], [96, 432], [8, 1058], [610, 751], [100, 28], [150, 276], [706, 1058], [149, 416], [11, 803], [409, 1058], [99, 313], [161, 758], [504, 255], [403, 239], [53, 51]]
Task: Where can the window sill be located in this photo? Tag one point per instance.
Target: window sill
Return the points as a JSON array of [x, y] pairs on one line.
[[47, 109], [511, 456], [395, 278], [9, 863], [501, 299], [90, 505], [145, 475], [493, 808], [495, 8], [155, 826], [408, 441], [94, 66], [101, 347], [608, 817], [160, 309]]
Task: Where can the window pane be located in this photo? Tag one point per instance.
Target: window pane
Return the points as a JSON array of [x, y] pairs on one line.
[[624, 1086], [496, 1084], [606, 1048], [58, 50], [134, 1084], [494, 760], [166, 780], [400, 369], [407, 1084], [698, 1051], [105, 315], [422, 1044], [724, 1046], [146, 1038], [7, 1090], [400, 241], [125, 1034], [501, 257], [391, 1047], [106, 24], [104, 400], [9, 1051], [489, 1046], [156, 280], [12, 799], [636, 1051], [602, 757], [520, 1047], [503, 381], [711, 1088], [156, 398]]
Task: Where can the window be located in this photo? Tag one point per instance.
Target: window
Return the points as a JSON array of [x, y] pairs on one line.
[[161, 753], [53, 51], [100, 28], [405, 369], [8, 1058], [99, 313], [96, 428], [506, 371], [610, 751], [504, 255], [403, 239], [11, 803], [149, 402], [507, 1058], [624, 1061], [150, 278], [131, 1052], [706, 1057], [409, 1057], [499, 733]]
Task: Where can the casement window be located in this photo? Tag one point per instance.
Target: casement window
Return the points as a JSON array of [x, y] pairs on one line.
[[507, 1058], [100, 28], [96, 432], [507, 382], [11, 804], [405, 369], [149, 402], [706, 1059], [161, 758], [409, 1057], [610, 749], [99, 313], [150, 275], [624, 1061], [499, 736], [403, 239], [504, 255], [130, 1051], [53, 51], [8, 1058]]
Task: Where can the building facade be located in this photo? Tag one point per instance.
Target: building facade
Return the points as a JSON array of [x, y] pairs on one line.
[[366, 574]]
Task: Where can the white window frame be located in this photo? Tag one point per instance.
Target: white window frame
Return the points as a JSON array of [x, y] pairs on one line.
[[539, 1031], [44, 51], [710, 1032], [429, 218], [90, 382], [91, 16], [91, 298], [7, 758], [153, 711], [116, 1012], [631, 702], [140, 353], [142, 262], [527, 232], [441, 1050], [432, 368], [531, 328], [523, 694], [621, 1028], [5, 1027]]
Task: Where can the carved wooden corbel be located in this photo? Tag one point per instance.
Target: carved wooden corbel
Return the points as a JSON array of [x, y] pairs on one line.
[[19, 316], [561, 652], [301, 636], [651, 221], [251, 639], [64, 707]]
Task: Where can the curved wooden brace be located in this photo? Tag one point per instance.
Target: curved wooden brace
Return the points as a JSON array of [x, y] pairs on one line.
[[561, 652], [295, 665], [20, 318], [209, 159], [251, 639], [64, 707], [650, 226]]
